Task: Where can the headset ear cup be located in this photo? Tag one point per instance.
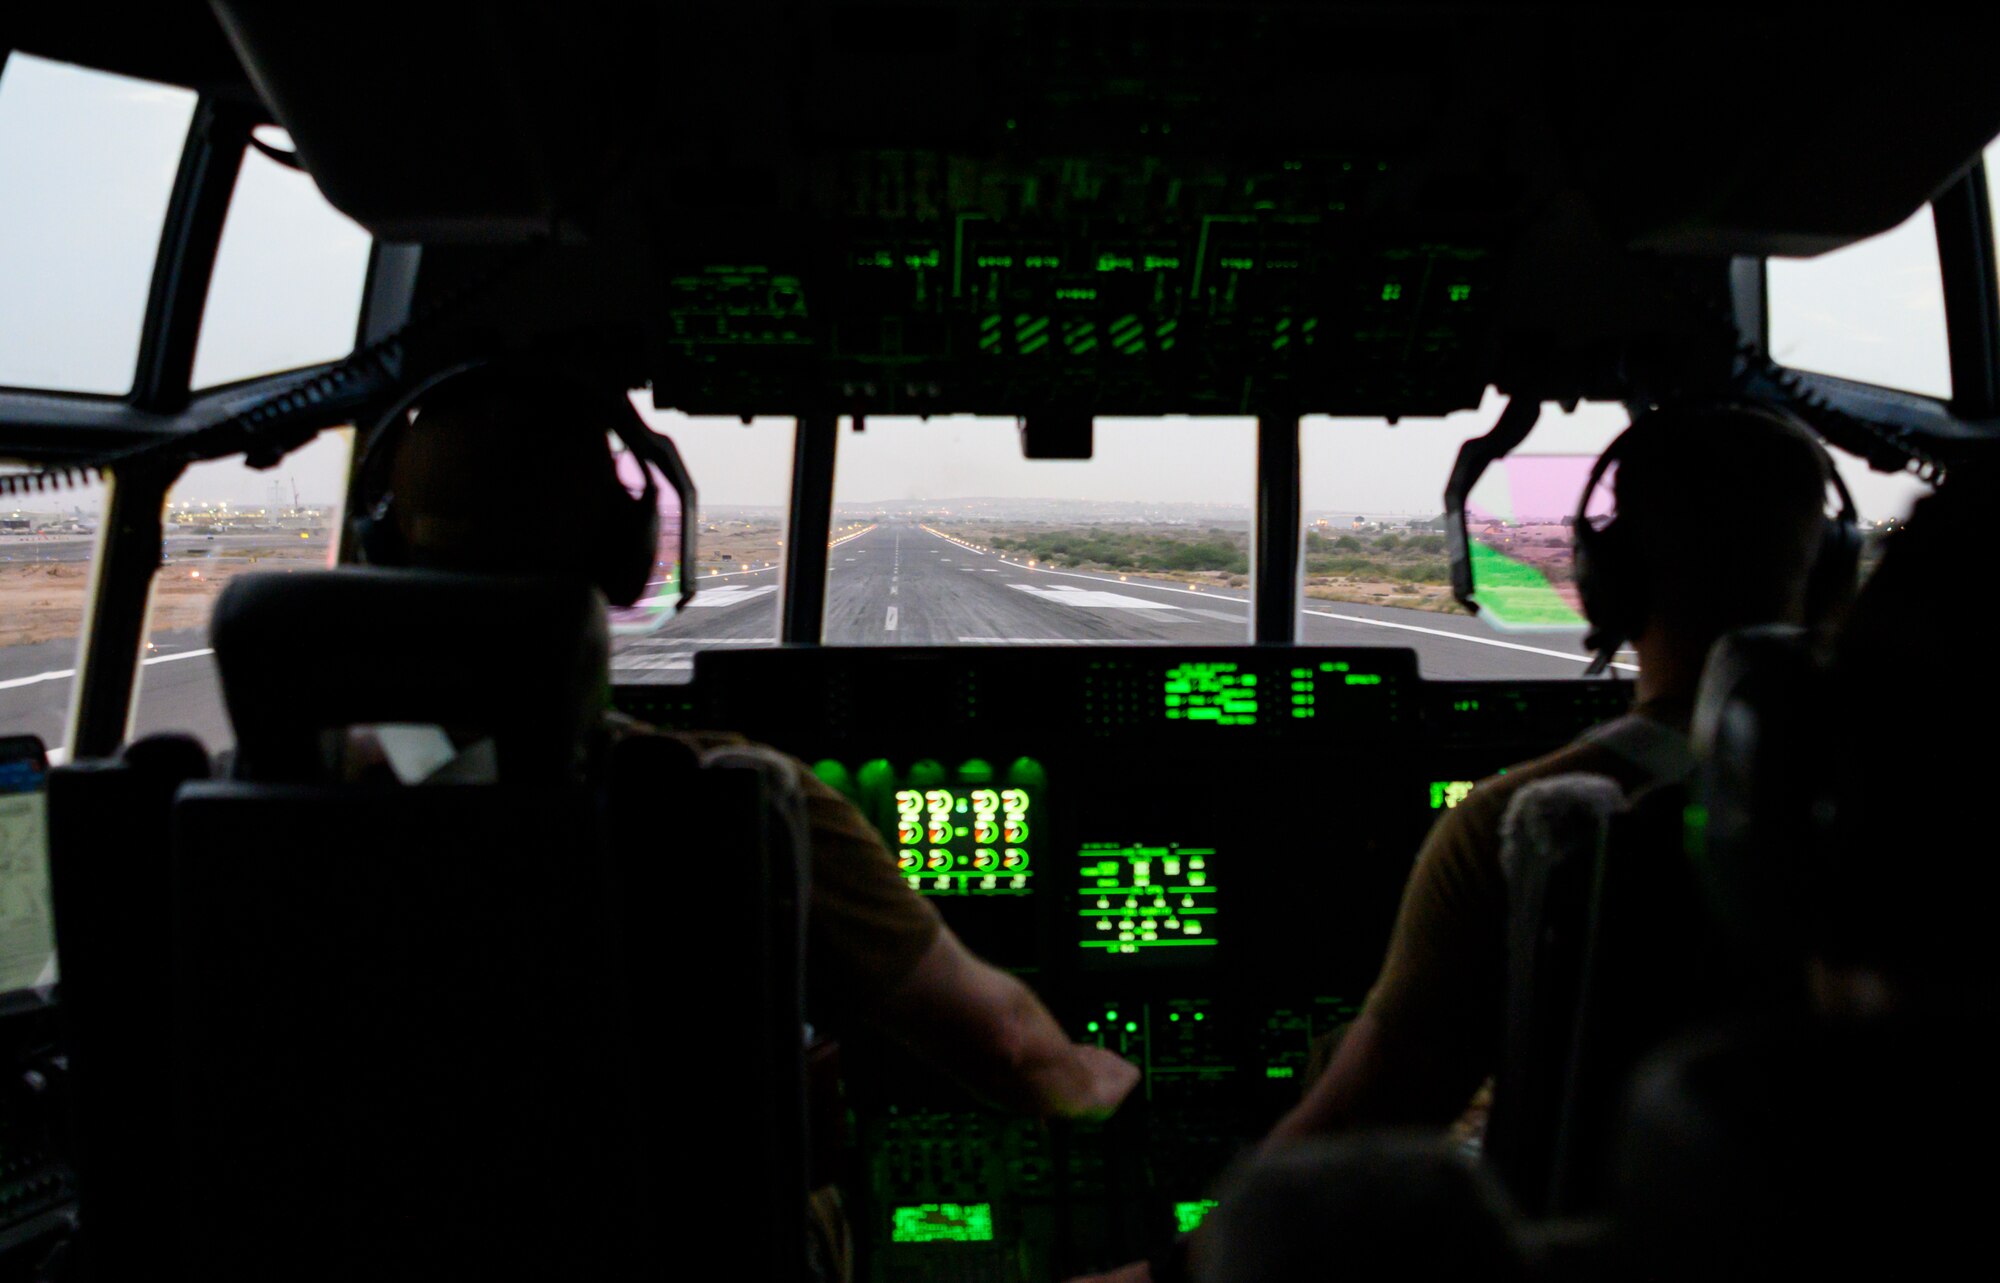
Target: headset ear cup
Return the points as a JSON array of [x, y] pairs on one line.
[[1835, 570], [631, 543], [377, 537], [1606, 570]]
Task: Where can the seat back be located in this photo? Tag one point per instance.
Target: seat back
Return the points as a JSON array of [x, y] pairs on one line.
[[108, 875], [466, 1031], [1611, 951]]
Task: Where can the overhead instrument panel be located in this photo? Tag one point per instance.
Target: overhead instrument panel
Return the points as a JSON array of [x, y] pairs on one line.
[[1005, 283]]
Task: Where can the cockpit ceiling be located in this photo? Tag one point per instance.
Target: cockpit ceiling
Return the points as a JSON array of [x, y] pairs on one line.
[[1697, 128], [1118, 207]]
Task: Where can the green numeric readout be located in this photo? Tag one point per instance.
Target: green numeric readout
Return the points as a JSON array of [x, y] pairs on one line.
[[1212, 692], [942, 1223], [1138, 899]]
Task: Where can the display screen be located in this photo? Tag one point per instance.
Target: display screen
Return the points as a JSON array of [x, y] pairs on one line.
[[942, 1223], [27, 919], [968, 830], [1144, 899]]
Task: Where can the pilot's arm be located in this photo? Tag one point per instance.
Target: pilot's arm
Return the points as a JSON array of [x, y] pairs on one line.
[[1429, 1033]]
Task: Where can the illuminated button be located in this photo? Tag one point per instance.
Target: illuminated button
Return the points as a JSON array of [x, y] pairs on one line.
[[1197, 879], [1174, 924], [1172, 867], [1104, 924], [1103, 903], [1131, 901], [1125, 924], [1125, 935], [1196, 862], [1187, 902], [1192, 928]]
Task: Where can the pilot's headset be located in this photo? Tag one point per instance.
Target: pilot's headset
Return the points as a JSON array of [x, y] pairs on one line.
[[628, 525], [1609, 564]]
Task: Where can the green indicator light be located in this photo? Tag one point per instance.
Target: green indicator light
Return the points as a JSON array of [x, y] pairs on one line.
[[995, 260], [834, 775], [921, 261], [1091, 1027], [976, 771], [942, 1223], [1334, 666], [1460, 293], [1076, 294], [1189, 1216], [1010, 124], [1175, 1017], [1199, 1016], [1131, 1026], [1364, 679], [1113, 263], [1279, 1071], [875, 774], [1160, 263], [1391, 292], [1238, 264], [1111, 1015]]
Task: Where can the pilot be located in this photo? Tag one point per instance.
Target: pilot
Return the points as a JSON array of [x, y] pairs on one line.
[[459, 473], [1721, 511]]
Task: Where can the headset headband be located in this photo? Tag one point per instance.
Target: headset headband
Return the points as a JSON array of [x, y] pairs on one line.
[[1620, 445]]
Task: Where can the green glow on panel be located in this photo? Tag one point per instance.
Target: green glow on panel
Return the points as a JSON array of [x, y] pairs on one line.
[[926, 772], [1446, 794], [1280, 1071], [1076, 294], [942, 1223], [975, 771], [1027, 772], [1188, 1216], [1515, 593], [1460, 293], [834, 775], [1391, 292], [1114, 263], [875, 774]]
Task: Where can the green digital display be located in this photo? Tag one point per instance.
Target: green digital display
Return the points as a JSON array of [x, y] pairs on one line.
[[1145, 899], [1210, 692], [964, 831], [1307, 684], [942, 1223], [1446, 794], [1189, 1215]]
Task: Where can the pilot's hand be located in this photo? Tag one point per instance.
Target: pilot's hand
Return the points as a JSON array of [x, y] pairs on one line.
[[1090, 1085], [1136, 1272]]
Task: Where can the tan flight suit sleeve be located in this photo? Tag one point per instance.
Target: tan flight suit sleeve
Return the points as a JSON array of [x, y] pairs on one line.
[[1443, 979], [866, 929]]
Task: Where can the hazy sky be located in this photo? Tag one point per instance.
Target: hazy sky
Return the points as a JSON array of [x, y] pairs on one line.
[[87, 162]]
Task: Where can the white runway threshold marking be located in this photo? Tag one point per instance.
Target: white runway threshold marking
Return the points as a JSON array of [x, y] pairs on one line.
[[889, 624], [1086, 599], [724, 597]]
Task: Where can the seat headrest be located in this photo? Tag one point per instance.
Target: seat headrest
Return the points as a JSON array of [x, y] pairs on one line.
[[1759, 714], [522, 661]]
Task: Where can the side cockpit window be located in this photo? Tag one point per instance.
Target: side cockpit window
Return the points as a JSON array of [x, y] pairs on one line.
[[1872, 312], [289, 272], [87, 167]]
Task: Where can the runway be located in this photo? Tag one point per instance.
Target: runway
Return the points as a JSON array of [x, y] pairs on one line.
[[898, 583]]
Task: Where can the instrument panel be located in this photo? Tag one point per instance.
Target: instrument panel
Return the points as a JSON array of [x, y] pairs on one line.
[[1193, 854]]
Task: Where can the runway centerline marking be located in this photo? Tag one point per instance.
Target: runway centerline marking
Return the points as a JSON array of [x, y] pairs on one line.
[[889, 624]]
